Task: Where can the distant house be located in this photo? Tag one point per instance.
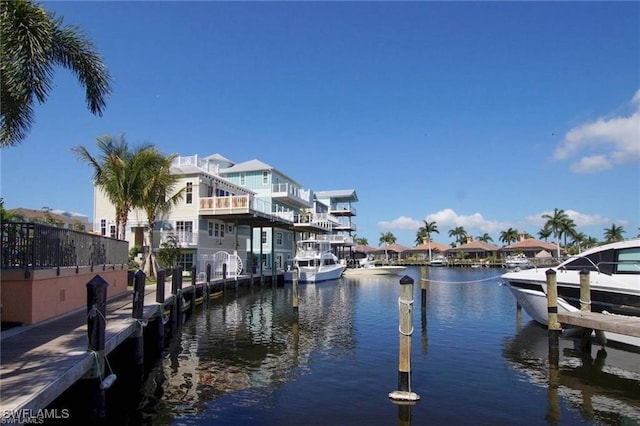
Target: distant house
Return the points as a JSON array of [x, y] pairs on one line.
[[59, 218], [390, 252], [531, 248], [422, 251], [476, 250]]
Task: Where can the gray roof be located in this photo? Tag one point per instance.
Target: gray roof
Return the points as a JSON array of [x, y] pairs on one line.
[[338, 194], [254, 166]]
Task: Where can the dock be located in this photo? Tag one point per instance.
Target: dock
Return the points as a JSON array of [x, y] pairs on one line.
[[39, 362], [620, 324]]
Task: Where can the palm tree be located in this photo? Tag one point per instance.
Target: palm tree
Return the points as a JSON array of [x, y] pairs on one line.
[[8, 216], [158, 182], [421, 235], [430, 227], [509, 236], [386, 238], [613, 234], [33, 43], [459, 233], [485, 238], [118, 172], [545, 233], [361, 241], [556, 223]]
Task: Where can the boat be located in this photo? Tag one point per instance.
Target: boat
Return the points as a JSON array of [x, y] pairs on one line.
[[368, 267], [517, 261], [439, 260], [614, 275], [315, 262]]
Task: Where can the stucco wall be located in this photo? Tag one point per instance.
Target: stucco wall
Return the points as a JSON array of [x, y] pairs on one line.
[[45, 294]]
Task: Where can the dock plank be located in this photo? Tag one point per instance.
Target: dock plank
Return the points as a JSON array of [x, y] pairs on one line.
[[596, 321]]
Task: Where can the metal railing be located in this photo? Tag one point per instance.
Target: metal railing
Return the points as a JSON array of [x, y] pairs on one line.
[[26, 245]]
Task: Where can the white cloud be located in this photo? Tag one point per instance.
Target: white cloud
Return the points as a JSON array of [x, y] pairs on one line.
[[581, 220], [445, 220], [604, 143]]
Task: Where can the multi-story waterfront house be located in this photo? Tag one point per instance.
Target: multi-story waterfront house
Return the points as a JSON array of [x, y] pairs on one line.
[[249, 210]]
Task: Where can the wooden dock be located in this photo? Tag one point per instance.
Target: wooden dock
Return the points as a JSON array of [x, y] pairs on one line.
[[39, 362], [596, 321]]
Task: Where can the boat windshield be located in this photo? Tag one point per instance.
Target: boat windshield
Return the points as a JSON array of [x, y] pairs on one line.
[[621, 261]]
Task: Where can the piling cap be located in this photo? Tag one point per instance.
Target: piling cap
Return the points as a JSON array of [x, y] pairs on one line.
[[97, 281], [406, 280], [550, 271]]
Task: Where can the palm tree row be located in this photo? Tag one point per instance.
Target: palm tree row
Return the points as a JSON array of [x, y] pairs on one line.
[[133, 178], [557, 224]]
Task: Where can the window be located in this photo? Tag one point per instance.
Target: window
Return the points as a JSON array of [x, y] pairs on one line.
[[229, 229], [112, 231], [264, 237], [243, 179], [189, 196], [279, 238], [279, 261], [210, 228], [265, 177], [209, 191], [185, 260], [216, 232], [629, 261], [103, 227]]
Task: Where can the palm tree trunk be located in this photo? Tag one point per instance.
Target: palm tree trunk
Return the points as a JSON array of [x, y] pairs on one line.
[[149, 265]]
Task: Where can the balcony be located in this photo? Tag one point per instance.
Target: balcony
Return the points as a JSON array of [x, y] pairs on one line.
[[291, 195], [193, 160], [343, 210]]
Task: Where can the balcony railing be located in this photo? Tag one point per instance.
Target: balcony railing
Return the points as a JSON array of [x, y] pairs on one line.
[[193, 160], [292, 193], [343, 209]]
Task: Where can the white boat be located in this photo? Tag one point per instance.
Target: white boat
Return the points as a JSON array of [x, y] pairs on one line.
[[439, 260], [367, 267], [517, 261], [614, 275], [315, 262]]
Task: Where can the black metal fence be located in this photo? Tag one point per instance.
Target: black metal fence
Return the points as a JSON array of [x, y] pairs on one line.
[[28, 245]]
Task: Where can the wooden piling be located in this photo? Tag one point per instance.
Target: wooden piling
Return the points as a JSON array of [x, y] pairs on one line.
[[160, 276], [553, 325], [193, 285], [405, 308], [423, 286], [96, 327], [137, 337], [294, 274]]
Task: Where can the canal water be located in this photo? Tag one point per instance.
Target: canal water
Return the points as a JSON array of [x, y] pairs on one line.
[[246, 360]]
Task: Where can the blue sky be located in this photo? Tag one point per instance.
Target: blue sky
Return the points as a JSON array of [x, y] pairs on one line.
[[484, 115]]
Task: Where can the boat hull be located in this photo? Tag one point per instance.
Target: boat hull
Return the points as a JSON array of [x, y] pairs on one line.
[[375, 270], [313, 275], [531, 294]]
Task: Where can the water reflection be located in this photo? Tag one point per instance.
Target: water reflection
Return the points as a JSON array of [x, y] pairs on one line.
[[604, 388], [248, 346]]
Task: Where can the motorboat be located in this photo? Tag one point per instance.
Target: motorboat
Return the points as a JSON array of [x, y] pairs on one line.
[[614, 276], [315, 262], [439, 260], [368, 267], [517, 261]]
